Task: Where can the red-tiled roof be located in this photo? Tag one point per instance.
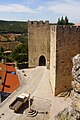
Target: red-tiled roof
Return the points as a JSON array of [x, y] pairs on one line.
[[2, 66], [10, 68], [12, 83]]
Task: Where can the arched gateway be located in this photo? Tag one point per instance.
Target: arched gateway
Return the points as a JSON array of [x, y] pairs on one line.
[[42, 61]]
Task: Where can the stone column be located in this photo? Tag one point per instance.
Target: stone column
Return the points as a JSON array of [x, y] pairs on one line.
[[76, 87]]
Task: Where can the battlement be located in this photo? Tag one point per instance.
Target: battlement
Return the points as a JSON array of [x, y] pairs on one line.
[[39, 23], [67, 27]]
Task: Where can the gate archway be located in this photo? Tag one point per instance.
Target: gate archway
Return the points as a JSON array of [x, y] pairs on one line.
[[42, 61]]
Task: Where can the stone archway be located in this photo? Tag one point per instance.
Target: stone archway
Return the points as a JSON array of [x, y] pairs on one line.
[[42, 61]]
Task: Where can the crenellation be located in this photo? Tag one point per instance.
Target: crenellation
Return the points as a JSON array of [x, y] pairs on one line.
[[78, 28], [41, 22], [32, 23], [74, 28], [66, 28], [38, 23], [47, 22], [35, 23]]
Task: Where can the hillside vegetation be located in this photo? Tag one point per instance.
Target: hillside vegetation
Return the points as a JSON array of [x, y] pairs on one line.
[[13, 31], [13, 27], [13, 36]]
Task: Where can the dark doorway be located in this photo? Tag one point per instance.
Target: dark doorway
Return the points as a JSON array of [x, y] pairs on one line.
[[42, 61]]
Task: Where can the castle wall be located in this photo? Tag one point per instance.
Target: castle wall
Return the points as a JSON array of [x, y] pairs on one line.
[[58, 44], [38, 42], [53, 57], [67, 46]]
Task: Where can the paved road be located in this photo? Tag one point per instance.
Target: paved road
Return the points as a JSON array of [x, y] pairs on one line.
[[36, 82]]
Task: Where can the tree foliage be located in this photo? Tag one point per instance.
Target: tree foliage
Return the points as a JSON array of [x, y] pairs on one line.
[[21, 49], [23, 39], [1, 49], [20, 54], [64, 21], [13, 27]]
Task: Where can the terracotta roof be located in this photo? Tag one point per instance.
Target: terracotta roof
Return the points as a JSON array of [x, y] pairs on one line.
[[2, 66], [12, 83], [10, 68]]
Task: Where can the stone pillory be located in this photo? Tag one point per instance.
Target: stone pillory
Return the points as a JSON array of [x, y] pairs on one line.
[[53, 46]]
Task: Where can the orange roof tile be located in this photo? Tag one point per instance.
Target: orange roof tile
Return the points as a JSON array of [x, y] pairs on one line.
[[12, 83], [2, 66], [10, 68]]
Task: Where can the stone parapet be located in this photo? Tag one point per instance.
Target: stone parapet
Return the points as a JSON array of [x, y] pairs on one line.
[[38, 23]]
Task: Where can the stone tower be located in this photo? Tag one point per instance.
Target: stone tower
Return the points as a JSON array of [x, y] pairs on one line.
[[54, 46], [39, 43], [64, 45]]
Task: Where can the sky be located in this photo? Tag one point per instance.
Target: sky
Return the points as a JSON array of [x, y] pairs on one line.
[[24, 10]]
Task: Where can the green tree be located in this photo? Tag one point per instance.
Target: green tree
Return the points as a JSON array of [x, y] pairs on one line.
[[62, 21], [21, 49], [20, 54], [59, 21], [23, 39], [66, 21], [1, 49]]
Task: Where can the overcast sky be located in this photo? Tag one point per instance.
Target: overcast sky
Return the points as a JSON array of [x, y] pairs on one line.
[[40, 10]]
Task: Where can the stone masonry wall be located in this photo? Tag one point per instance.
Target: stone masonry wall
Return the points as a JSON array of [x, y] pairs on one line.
[[67, 46], [58, 44], [38, 42], [53, 57]]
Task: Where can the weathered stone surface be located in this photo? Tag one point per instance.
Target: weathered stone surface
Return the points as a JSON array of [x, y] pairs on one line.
[[73, 112], [76, 60], [76, 105], [76, 85], [76, 68], [75, 95]]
